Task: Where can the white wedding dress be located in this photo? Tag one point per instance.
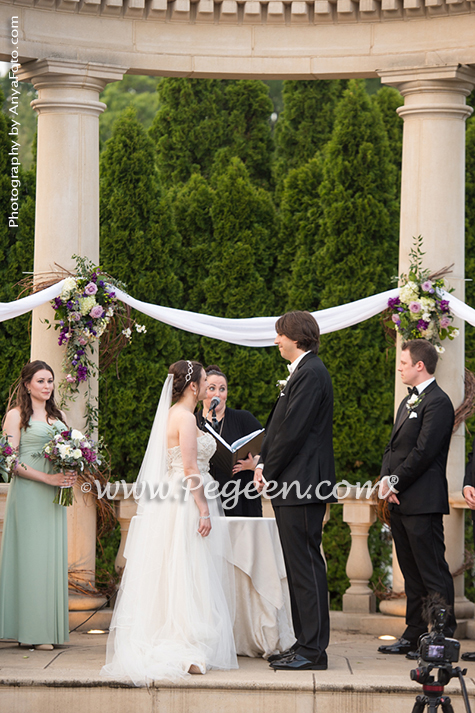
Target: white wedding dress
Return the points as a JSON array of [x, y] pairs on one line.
[[175, 606]]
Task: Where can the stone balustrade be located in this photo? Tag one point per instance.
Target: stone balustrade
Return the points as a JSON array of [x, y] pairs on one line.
[[358, 512]]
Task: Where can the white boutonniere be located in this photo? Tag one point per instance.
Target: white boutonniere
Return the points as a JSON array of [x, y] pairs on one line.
[[282, 384], [413, 402]]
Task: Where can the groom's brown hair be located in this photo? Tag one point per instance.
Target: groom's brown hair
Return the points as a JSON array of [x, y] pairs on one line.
[[300, 327]]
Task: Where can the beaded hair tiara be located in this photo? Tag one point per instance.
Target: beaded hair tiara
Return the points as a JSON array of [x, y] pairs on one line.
[[189, 374]]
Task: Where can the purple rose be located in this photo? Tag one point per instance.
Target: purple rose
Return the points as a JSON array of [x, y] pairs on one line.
[[396, 319], [426, 286], [422, 325], [393, 302], [7, 451], [90, 289], [89, 455], [445, 322], [82, 373], [97, 311], [414, 307]]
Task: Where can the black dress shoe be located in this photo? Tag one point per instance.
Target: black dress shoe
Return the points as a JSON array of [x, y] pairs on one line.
[[282, 655], [401, 646], [413, 655], [468, 656], [295, 662]]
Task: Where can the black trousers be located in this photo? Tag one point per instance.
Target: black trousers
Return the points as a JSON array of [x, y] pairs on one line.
[[420, 547], [300, 531]]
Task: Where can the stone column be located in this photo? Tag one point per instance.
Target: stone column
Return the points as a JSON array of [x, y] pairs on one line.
[[432, 205], [67, 222]]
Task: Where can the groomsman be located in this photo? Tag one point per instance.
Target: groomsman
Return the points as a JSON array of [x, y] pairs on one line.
[[417, 454], [469, 495], [297, 460]]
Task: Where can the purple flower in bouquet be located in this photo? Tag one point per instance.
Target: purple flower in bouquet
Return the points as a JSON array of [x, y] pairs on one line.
[[8, 451], [89, 455], [396, 319], [414, 307], [71, 379], [393, 302], [94, 277], [422, 325], [82, 372], [101, 283], [76, 316], [70, 304], [90, 289], [58, 302], [445, 322], [427, 286], [444, 305], [97, 311]]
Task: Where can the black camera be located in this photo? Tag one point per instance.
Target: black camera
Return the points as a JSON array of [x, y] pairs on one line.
[[436, 648]]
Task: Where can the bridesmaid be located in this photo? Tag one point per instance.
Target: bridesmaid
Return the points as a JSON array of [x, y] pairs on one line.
[[34, 554]]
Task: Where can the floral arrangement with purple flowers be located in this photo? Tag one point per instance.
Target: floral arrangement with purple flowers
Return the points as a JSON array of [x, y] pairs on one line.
[[85, 311], [71, 450], [8, 458], [420, 312]]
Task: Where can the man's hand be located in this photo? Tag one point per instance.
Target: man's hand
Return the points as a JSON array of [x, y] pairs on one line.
[[469, 495], [386, 490], [259, 481]]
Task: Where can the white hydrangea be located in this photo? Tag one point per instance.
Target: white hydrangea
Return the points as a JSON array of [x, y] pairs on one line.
[[68, 287], [409, 293], [427, 303], [86, 304]]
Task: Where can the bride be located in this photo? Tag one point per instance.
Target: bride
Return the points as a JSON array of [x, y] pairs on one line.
[[175, 610]]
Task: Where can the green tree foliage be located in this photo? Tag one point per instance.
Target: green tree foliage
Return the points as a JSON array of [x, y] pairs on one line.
[[470, 254], [16, 257], [140, 246], [199, 118], [137, 91], [296, 278], [389, 100], [306, 123], [359, 234], [237, 285]]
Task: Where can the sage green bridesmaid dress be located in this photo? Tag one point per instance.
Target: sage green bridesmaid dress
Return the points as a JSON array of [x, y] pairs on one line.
[[34, 554]]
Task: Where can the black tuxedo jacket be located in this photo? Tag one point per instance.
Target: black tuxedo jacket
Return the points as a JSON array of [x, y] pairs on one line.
[[470, 473], [298, 443], [417, 453]]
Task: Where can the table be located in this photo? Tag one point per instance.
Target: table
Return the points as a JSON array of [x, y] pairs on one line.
[[263, 621]]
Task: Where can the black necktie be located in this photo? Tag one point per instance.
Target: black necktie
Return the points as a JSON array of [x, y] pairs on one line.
[[412, 390]]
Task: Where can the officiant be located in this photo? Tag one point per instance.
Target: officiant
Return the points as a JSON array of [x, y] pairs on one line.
[[231, 424]]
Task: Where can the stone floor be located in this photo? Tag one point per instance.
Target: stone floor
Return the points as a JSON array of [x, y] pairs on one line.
[[358, 679]]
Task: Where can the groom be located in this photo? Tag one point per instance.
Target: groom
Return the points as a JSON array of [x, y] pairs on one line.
[[297, 461]]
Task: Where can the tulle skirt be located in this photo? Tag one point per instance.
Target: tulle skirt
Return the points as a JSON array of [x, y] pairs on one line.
[[175, 606]]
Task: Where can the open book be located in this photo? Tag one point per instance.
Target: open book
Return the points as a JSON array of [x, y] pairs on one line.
[[227, 455]]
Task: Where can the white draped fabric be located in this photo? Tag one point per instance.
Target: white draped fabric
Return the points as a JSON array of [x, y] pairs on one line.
[[252, 332]]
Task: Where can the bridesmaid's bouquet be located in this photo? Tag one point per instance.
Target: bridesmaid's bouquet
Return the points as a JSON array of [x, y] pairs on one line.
[[8, 458], [71, 450]]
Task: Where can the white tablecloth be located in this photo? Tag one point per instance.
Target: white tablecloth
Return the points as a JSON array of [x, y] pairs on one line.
[[263, 622]]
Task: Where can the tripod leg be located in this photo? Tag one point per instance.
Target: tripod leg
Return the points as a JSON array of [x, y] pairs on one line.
[[446, 705], [420, 704]]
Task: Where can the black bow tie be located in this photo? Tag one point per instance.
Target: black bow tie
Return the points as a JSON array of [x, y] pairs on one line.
[[412, 390]]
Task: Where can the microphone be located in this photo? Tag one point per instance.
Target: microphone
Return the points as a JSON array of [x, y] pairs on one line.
[[215, 401]]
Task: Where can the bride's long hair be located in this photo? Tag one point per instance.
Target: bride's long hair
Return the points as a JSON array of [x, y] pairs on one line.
[[184, 373]]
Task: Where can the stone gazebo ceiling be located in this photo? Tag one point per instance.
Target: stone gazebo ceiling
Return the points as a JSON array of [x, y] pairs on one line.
[[322, 38]]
